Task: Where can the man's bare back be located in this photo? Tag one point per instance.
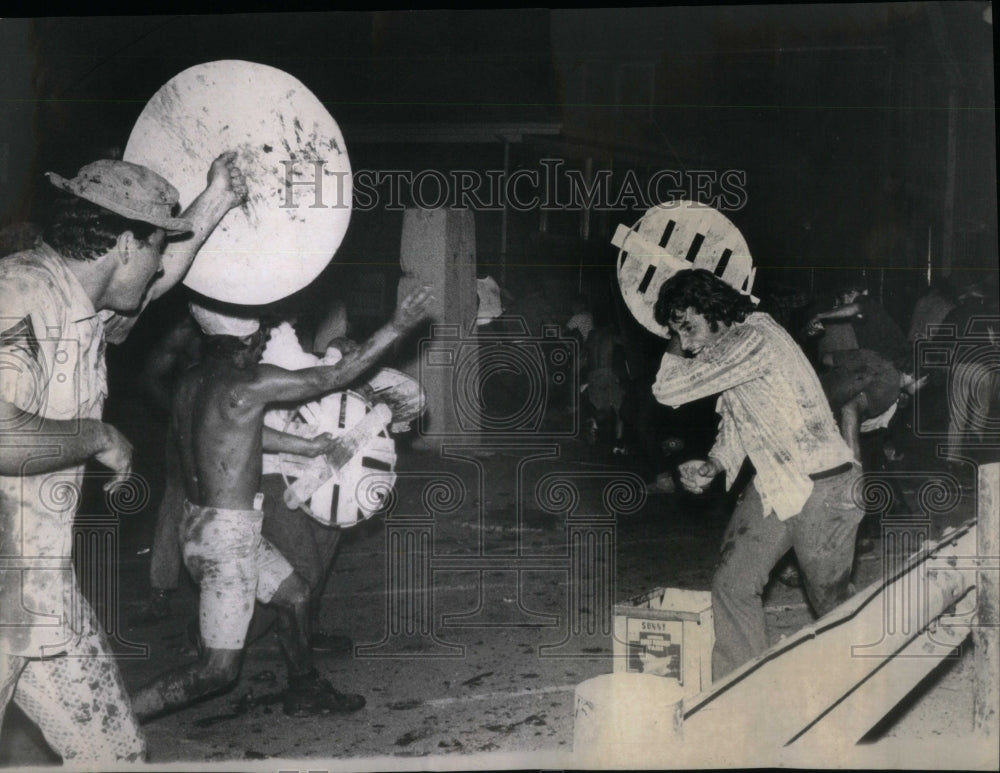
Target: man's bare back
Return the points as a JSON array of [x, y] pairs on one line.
[[219, 405], [218, 420], [219, 434]]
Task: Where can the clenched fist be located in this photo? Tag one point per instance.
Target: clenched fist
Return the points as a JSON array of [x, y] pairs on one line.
[[225, 177], [412, 309], [116, 455]]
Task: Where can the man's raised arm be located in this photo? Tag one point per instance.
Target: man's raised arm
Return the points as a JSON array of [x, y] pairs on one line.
[[226, 189], [278, 385], [836, 314]]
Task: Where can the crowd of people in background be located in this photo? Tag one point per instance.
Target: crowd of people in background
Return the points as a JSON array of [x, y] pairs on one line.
[[811, 395], [800, 412], [689, 411], [868, 366]]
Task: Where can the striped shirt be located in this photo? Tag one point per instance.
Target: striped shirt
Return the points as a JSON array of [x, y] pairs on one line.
[[772, 407]]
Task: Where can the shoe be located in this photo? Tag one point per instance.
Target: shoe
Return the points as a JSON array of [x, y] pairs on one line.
[[155, 608], [331, 642], [310, 695]]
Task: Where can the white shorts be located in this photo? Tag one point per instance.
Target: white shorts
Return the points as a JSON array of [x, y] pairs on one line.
[[234, 565]]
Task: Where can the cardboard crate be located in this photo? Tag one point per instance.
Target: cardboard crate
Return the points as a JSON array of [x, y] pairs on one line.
[[667, 632]]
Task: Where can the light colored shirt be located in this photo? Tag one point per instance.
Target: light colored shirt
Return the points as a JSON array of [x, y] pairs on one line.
[[52, 344], [582, 321], [772, 408], [284, 350], [490, 303], [333, 326]]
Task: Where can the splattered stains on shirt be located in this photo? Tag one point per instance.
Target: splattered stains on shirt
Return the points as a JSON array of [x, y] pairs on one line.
[[51, 364], [772, 407]]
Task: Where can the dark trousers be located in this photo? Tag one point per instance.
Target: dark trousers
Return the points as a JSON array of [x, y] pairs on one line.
[[823, 536], [165, 561], [309, 546]]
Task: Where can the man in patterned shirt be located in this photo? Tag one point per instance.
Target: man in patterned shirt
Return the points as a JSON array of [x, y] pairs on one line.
[[774, 413], [105, 255]]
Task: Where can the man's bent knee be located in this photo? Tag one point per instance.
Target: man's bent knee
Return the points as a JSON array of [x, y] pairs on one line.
[[293, 591], [827, 596], [727, 583], [739, 578]]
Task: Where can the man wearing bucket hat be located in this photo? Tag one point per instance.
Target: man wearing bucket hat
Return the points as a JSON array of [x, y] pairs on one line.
[[218, 421], [113, 243]]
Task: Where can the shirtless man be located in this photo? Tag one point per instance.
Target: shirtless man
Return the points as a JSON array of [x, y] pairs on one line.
[[179, 349], [218, 415]]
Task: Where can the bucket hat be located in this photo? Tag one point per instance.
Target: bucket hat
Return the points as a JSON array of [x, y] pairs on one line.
[[126, 189]]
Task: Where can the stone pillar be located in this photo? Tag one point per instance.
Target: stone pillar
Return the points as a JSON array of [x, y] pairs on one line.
[[439, 250]]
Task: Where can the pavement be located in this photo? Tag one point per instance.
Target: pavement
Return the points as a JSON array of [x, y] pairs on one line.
[[477, 604]]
